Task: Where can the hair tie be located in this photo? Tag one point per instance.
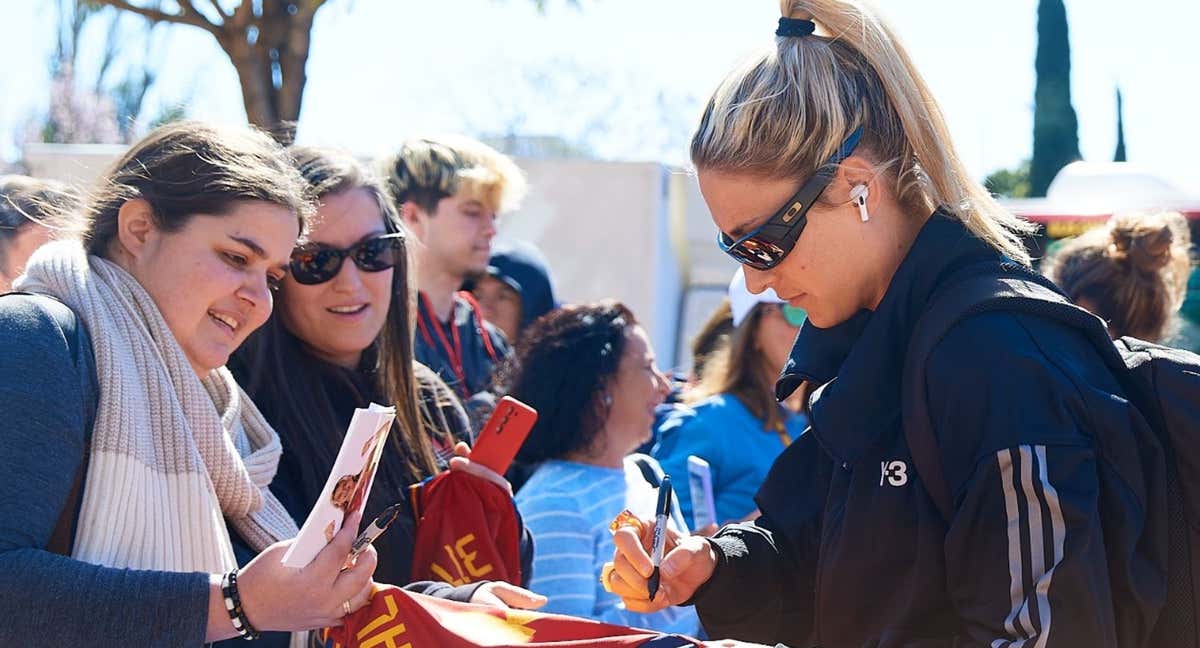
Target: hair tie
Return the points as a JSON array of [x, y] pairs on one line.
[[795, 27]]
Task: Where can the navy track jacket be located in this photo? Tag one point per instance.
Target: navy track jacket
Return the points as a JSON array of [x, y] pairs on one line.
[[434, 346], [851, 551]]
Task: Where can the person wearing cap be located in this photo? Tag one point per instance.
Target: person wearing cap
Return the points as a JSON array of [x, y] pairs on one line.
[[730, 418], [516, 289]]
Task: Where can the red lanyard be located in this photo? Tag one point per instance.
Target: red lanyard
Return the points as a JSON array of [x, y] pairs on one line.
[[454, 353], [487, 339]]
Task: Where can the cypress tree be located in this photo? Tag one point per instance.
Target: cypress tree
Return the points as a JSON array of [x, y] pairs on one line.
[[1119, 156], [1055, 128]]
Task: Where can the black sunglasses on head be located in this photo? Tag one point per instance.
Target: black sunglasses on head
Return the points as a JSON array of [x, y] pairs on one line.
[[768, 244], [314, 263]]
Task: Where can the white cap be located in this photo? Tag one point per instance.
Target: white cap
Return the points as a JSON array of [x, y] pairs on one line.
[[742, 301]]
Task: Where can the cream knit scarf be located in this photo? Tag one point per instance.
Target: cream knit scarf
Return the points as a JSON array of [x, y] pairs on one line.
[[173, 456]]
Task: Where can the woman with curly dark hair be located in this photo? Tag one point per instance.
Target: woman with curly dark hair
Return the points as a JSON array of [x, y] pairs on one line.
[[590, 373]]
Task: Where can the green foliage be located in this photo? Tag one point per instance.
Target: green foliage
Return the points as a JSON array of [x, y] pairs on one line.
[[1055, 127], [1009, 183]]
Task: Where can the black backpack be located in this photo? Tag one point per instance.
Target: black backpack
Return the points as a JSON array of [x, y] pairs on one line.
[[1163, 383]]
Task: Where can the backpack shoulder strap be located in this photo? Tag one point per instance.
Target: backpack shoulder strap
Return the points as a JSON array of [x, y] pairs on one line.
[[79, 345], [974, 291], [648, 472]]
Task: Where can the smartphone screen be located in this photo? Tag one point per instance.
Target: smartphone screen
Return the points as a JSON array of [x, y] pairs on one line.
[[704, 511]]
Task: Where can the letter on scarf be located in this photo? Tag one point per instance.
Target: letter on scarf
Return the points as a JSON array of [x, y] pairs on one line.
[[398, 619]]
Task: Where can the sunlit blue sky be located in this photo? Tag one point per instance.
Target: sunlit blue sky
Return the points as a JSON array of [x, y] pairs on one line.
[[625, 77]]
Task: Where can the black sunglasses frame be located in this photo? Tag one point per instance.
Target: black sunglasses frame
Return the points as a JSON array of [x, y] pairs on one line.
[[374, 246], [769, 244]]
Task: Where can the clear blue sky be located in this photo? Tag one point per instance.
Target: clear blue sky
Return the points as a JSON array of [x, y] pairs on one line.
[[626, 75]]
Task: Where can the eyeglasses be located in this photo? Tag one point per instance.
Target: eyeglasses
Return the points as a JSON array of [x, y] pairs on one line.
[[315, 263], [766, 246]]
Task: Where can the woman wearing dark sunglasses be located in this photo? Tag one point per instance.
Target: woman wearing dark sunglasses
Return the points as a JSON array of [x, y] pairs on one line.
[[341, 337], [829, 172], [732, 420]]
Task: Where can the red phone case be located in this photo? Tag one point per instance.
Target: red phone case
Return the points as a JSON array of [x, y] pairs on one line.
[[503, 434]]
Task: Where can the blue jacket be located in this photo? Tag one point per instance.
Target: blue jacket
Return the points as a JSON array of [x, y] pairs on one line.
[[48, 599], [851, 551], [482, 346], [721, 431]]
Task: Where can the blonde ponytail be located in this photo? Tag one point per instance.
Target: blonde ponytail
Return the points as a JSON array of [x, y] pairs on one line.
[[787, 111]]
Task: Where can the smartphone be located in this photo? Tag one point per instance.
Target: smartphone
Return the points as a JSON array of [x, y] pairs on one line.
[[704, 511], [503, 434]]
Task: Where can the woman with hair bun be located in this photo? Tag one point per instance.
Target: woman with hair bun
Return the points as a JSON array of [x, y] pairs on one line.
[[829, 172], [1132, 272]]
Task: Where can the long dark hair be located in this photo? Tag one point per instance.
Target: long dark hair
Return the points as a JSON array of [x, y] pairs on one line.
[[298, 386], [740, 369], [562, 364]]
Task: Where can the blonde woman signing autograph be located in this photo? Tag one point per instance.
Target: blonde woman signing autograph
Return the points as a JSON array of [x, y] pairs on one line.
[[830, 176]]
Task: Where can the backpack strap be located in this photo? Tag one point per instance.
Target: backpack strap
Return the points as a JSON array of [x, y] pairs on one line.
[[79, 345], [648, 472], [976, 290]]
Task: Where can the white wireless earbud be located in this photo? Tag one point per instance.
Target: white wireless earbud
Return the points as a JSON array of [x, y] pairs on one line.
[[859, 195]]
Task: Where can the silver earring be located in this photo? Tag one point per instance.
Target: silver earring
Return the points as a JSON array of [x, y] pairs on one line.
[[607, 400], [859, 195]]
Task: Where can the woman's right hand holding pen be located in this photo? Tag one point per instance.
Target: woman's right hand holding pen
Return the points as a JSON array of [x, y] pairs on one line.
[[688, 563]]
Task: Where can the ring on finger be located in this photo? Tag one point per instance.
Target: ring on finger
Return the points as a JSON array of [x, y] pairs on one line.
[[625, 518], [606, 576]]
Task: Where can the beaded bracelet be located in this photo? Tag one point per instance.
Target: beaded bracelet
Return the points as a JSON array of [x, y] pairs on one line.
[[233, 605]]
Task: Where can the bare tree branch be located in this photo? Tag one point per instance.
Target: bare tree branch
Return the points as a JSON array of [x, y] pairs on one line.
[[187, 15], [242, 15], [186, 8], [292, 58], [309, 8], [112, 47], [216, 4]]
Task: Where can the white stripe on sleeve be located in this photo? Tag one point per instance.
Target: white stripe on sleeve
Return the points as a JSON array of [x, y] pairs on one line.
[[1029, 484]]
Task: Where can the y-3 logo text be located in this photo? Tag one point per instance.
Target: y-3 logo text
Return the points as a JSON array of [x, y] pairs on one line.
[[893, 472]]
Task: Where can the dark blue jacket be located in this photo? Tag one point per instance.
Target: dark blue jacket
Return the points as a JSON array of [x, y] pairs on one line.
[[851, 551], [482, 345], [48, 599]]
